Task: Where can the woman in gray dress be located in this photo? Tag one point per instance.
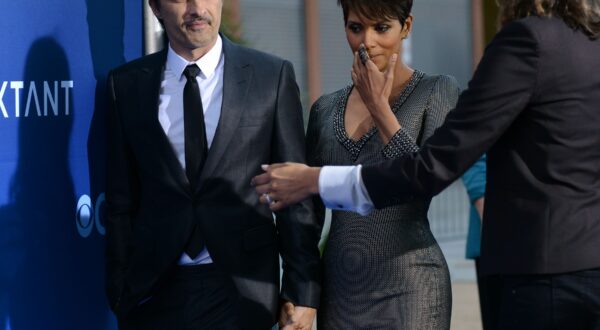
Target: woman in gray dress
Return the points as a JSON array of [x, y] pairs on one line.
[[384, 270]]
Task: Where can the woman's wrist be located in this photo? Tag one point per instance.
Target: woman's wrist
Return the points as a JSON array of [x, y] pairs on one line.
[[386, 121], [378, 108], [313, 179]]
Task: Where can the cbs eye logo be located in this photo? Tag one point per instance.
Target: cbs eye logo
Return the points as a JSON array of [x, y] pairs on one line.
[[87, 215]]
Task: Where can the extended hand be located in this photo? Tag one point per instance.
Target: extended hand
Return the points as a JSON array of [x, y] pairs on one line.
[[296, 317], [285, 184]]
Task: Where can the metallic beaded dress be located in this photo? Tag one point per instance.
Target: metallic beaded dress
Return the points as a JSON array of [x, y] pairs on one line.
[[384, 270]]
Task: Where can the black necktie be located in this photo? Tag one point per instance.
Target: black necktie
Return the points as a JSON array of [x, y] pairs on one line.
[[195, 144]]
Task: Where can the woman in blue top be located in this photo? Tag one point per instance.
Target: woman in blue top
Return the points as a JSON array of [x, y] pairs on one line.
[[474, 180]]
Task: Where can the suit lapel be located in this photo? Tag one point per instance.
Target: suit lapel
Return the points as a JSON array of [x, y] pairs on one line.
[[148, 92], [236, 80]]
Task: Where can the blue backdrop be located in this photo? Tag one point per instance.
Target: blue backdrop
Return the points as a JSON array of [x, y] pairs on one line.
[[54, 58]]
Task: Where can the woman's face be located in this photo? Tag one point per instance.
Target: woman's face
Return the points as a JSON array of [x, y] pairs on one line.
[[382, 37]]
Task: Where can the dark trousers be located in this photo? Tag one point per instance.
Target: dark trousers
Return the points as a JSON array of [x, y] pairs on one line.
[[490, 293], [558, 301], [192, 297]]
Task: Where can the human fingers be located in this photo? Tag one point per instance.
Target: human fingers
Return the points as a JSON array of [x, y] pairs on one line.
[[304, 317], [363, 54], [288, 308], [261, 179], [266, 198], [277, 205], [389, 73], [371, 67], [285, 314], [263, 188], [356, 66]]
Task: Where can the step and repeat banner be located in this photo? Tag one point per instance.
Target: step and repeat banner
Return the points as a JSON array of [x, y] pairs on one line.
[[54, 59]]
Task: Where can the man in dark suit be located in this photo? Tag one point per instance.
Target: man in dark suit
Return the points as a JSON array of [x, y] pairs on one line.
[[534, 106], [188, 244]]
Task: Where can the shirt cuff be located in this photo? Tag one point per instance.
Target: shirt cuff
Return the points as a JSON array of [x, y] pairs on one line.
[[342, 188]]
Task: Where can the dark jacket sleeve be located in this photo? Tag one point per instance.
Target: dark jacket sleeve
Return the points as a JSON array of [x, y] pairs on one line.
[[121, 194], [312, 156], [298, 229], [502, 86]]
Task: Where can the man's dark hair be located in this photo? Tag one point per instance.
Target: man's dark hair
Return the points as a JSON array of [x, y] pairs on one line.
[[578, 14], [378, 9], [156, 3]]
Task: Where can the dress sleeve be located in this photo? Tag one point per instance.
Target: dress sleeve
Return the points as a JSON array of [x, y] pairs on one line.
[[443, 98], [401, 143]]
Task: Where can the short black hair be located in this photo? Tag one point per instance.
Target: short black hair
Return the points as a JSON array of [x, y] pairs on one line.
[[378, 9]]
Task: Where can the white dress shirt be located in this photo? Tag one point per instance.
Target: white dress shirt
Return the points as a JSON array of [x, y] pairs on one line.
[[170, 107], [342, 188]]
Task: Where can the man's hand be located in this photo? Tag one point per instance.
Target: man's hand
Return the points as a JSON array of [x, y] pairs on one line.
[[285, 184], [296, 317]]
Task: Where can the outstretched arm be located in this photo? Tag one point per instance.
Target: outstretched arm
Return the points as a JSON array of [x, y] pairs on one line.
[[502, 87]]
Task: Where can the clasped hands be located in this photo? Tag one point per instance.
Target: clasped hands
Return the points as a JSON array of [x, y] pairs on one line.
[[296, 317]]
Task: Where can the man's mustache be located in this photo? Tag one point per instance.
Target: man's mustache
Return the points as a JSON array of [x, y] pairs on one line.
[[200, 18]]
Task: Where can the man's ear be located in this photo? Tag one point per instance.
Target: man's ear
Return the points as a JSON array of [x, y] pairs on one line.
[[155, 8]]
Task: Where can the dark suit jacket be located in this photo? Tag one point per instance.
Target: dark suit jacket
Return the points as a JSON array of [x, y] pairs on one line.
[[534, 103], [151, 207]]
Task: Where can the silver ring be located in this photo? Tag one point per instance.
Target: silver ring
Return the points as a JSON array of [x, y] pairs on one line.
[[268, 198]]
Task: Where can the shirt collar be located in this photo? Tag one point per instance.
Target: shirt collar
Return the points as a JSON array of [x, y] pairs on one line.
[[207, 63]]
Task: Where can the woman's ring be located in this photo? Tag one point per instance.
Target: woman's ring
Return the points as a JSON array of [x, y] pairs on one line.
[[268, 198]]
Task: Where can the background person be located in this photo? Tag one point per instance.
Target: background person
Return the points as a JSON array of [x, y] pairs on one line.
[[488, 289]]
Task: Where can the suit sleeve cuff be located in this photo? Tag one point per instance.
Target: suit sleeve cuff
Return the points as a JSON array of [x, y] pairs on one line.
[[341, 188]]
